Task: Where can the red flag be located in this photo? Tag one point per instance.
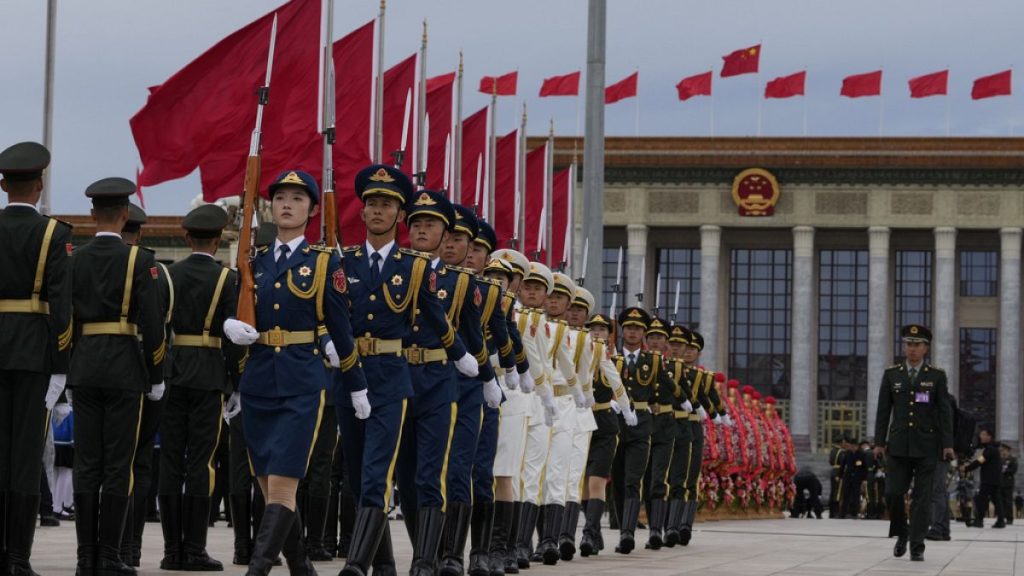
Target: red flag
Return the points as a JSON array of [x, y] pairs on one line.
[[440, 139], [786, 86], [999, 84], [566, 85], [203, 114], [743, 61], [934, 84], [500, 85], [699, 85], [560, 206], [474, 159], [506, 155], [536, 182], [858, 85], [625, 88], [399, 117], [138, 190]]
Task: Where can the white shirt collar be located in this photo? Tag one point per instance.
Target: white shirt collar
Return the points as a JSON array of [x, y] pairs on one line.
[[111, 234], [627, 352], [23, 205], [384, 251], [434, 262], [293, 245], [912, 367]]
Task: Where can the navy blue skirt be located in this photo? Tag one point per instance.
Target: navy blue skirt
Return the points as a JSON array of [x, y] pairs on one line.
[[280, 432]]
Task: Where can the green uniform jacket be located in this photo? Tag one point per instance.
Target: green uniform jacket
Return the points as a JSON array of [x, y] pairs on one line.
[[914, 419]]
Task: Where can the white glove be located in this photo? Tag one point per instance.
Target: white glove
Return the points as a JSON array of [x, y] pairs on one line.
[[512, 379], [550, 412], [232, 407], [156, 392], [239, 332], [728, 421], [688, 406], [526, 383], [578, 397], [616, 408], [590, 399], [467, 365], [717, 419], [630, 418], [61, 412], [492, 393], [702, 413], [57, 382], [361, 404], [332, 354]]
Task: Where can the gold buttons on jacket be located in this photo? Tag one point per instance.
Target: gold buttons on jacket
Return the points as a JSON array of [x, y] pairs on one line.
[[277, 284], [277, 348], [277, 306], [373, 297], [369, 316]]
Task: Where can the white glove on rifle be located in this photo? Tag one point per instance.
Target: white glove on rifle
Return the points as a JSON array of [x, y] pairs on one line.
[[467, 365], [239, 332], [57, 382], [492, 393], [361, 404]]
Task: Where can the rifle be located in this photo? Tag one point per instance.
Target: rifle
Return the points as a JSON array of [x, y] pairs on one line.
[[246, 247], [330, 233]]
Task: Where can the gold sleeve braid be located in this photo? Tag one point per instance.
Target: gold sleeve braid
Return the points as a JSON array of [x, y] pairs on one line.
[[349, 361], [64, 339]]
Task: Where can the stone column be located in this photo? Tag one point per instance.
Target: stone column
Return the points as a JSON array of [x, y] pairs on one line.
[[710, 255], [802, 344], [1008, 375], [879, 317], [636, 250], [944, 330]]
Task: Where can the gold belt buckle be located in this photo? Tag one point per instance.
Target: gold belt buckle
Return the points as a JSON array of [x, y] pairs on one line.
[[275, 337], [365, 346], [414, 355]]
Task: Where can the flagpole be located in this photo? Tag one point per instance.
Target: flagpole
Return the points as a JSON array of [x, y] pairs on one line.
[[378, 120], [757, 90], [492, 148], [568, 256], [804, 98], [457, 150], [51, 51], [519, 238], [712, 111], [549, 159], [947, 102], [637, 131], [593, 142], [881, 103], [421, 111]]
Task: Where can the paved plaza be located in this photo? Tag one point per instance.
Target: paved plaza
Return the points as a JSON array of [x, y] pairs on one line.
[[724, 548]]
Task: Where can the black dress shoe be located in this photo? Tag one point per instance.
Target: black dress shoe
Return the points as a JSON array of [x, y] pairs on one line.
[[900, 548], [917, 556], [933, 536]]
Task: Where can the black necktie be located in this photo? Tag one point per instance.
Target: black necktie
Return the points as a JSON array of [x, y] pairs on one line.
[[375, 267], [913, 375], [632, 362], [282, 260]]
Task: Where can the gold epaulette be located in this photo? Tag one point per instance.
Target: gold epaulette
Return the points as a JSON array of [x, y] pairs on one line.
[[262, 249], [412, 252], [352, 248], [319, 247], [930, 367], [895, 367], [489, 281], [462, 269], [59, 221]]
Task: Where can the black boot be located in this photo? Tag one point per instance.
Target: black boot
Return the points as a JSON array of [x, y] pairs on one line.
[[346, 521], [128, 533], [384, 560], [241, 524], [87, 515], [113, 510], [3, 531], [498, 552], [137, 516], [367, 529], [511, 544], [20, 528], [453, 542], [524, 538], [674, 523], [567, 539], [294, 550], [659, 511], [274, 528], [480, 539], [592, 528], [194, 557], [429, 524], [554, 515], [689, 514], [170, 521], [316, 521], [535, 555], [627, 525], [331, 525]]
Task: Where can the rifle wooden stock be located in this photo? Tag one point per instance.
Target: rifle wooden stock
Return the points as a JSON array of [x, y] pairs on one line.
[[330, 216], [247, 283]]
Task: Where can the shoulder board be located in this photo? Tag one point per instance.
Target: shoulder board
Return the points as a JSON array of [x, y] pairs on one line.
[[616, 357], [150, 250], [930, 367], [412, 252], [462, 269], [352, 248], [70, 227], [895, 367], [655, 354], [490, 281], [582, 329], [262, 249], [557, 321], [321, 248]]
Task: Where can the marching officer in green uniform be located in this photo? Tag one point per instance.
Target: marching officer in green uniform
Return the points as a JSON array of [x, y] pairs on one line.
[[114, 297], [663, 438], [685, 377], [35, 341], [205, 368], [152, 409], [913, 429]]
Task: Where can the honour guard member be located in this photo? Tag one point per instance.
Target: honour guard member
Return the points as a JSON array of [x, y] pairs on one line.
[[461, 294], [390, 289], [683, 452], [512, 426], [35, 341], [610, 398], [913, 429], [152, 409], [299, 287], [205, 369], [663, 438], [114, 301]]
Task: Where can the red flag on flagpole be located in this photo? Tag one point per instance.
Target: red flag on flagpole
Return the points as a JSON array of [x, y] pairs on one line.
[[786, 86], [559, 214], [138, 190], [536, 180], [440, 139], [625, 88], [742, 61], [506, 152], [999, 84], [934, 84], [859, 85], [566, 85], [474, 158], [699, 85], [504, 85]]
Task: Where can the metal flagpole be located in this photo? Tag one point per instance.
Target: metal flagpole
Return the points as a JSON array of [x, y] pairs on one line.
[[51, 50], [593, 143], [492, 150], [519, 238], [457, 152], [421, 113], [378, 120], [549, 161]]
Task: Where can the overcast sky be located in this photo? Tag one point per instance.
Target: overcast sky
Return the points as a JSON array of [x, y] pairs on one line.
[[109, 51]]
